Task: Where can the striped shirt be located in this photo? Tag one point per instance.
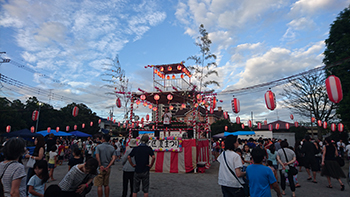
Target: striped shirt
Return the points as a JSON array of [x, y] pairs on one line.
[[14, 171], [73, 179]]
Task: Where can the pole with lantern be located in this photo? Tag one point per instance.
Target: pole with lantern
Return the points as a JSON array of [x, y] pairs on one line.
[[37, 120]]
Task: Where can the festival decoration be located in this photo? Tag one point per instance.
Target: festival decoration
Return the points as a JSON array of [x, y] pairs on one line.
[[291, 117], [170, 68], [99, 121], [8, 128], [91, 123], [313, 119], [107, 118], [225, 128], [32, 129], [156, 97], [270, 100], [183, 105], [182, 76], [138, 102], [173, 77], [296, 124], [161, 69], [277, 126], [199, 96], [225, 115], [57, 129], [171, 107], [214, 102], [340, 127], [75, 111], [35, 115], [150, 106], [118, 103], [325, 125], [169, 97], [67, 128], [48, 129], [265, 122], [118, 124], [211, 110], [334, 89], [238, 120], [235, 105], [154, 109], [319, 123], [259, 125], [196, 105], [143, 97], [83, 125], [333, 127], [287, 126], [179, 67], [147, 117], [242, 126], [75, 127], [249, 123], [270, 127]]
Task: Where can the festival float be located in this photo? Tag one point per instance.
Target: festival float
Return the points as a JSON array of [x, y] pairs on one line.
[[184, 146]]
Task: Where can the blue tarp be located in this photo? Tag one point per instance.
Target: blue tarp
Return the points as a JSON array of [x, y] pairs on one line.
[[105, 131], [240, 133], [80, 134], [145, 132], [59, 133], [25, 133]]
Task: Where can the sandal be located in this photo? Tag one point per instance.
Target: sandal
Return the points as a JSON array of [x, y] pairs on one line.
[[314, 181], [329, 186], [309, 179], [342, 187]]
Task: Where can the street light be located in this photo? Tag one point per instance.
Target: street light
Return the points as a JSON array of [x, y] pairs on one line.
[[37, 121]]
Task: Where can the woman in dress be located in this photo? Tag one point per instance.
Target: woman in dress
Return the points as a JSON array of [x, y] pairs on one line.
[[38, 154], [330, 167], [12, 172]]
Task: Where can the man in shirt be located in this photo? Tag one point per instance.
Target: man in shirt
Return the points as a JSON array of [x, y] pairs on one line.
[[142, 166], [310, 150], [105, 157], [261, 177]]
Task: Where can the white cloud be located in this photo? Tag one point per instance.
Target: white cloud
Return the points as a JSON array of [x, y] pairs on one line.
[[309, 7]]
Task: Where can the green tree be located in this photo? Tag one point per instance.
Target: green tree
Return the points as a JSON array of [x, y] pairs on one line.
[[205, 62], [338, 50], [307, 96]]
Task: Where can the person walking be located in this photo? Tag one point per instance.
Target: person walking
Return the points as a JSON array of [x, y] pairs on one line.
[[141, 165], [310, 150], [128, 170], [261, 177], [105, 157], [230, 173], [330, 167], [285, 158]]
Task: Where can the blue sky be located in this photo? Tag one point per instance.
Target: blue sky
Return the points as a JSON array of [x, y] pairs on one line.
[[255, 42]]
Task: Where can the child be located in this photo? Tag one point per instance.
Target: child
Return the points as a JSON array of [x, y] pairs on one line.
[[52, 161], [247, 157], [37, 183], [76, 159], [61, 149]]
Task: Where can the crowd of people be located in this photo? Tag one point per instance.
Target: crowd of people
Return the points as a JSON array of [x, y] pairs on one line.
[[250, 167], [89, 164]]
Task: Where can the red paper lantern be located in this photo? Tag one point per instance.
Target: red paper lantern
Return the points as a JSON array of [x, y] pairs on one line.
[[147, 117], [170, 68], [196, 105], [340, 127], [171, 107], [118, 103], [179, 67], [91, 123], [270, 100], [124, 125], [211, 110], [182, 76], [35, 115], [8, 128], [67, 128], [225, 128], [132, 125], [313, 119], [291, 117], [319, 123], [83, 125], [145, 104], [225, 115], [153, 127], [277, 126], [99, 121], [265, 122], [249, 123], [48, 129], [334, 89], [214, 102], [138, 102], [57, 129], [270, 127], [296, 124], [75, 127], [75, 111], [32, 129], [287, 125], [173, 77], [150, 106], [242, 126], [156, 97], [183, 105], [169, 97], [235, 105], [161, 69], [325, 125], [118, 124], [259, 125], [143, 97], [199, 96], [333, 127], [238, 120], [107, 118], [154, 108], [114, 121]]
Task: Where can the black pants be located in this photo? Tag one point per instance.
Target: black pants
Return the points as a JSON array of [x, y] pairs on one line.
[[290, 179], [128, 177]]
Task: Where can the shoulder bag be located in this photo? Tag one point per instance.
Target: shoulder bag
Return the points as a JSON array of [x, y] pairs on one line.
[[245, 186], [2, 192], [292, 169], [31, 162]]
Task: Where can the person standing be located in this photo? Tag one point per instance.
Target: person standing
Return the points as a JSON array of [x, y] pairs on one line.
[[128, 170], [330, 167], [261, 177], [309, 149], [105, 157], [285, 158], [167, 120], [230, 174], [141, 165]]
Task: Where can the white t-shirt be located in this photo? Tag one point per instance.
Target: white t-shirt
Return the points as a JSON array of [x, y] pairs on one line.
[[340, 144], [52, 157], [167, 117], [226, 178], [348, 149]]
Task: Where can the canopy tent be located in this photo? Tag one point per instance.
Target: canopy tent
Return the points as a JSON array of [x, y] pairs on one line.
[[104, 131], [146, 132], [25, 133], [59, 133], [80, 134], [225, 134]]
